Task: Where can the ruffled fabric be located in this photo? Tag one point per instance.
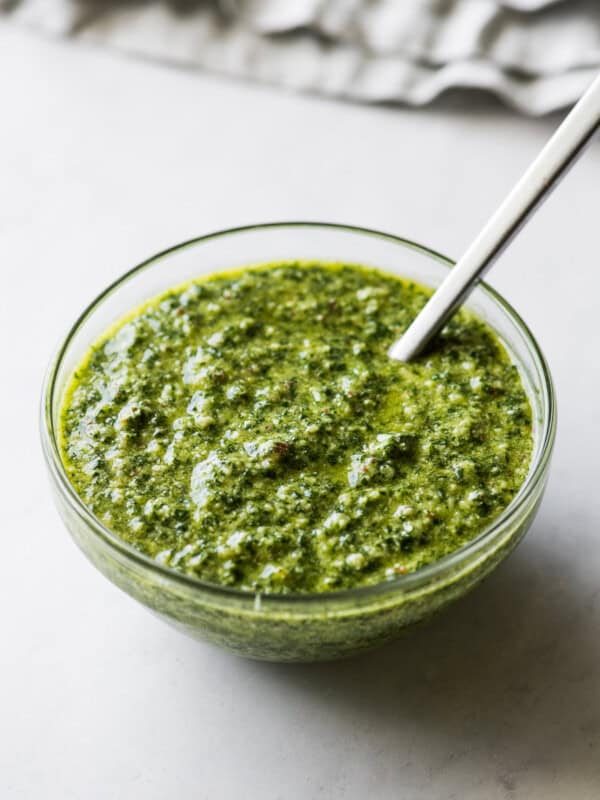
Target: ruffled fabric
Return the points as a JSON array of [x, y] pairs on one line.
[[535, 55]]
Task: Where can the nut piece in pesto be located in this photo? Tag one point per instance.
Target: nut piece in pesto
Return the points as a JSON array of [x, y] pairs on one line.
[[250, 429]]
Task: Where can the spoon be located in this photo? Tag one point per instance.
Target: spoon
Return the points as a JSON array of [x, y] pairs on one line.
[[557, 157]]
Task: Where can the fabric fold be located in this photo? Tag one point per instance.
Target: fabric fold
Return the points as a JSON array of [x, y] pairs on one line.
[[535, 55]]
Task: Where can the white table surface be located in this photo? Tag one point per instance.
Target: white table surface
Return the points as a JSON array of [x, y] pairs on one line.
[[103, 161]]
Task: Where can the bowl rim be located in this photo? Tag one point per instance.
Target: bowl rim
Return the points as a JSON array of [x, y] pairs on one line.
[[402, 583]]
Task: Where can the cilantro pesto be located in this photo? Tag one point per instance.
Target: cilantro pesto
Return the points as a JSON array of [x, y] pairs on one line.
[[250, 429]]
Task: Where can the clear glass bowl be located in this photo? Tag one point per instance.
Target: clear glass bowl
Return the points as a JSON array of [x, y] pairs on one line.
[[301, 627]]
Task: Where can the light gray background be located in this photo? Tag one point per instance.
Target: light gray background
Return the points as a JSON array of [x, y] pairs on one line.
[[105, 160]]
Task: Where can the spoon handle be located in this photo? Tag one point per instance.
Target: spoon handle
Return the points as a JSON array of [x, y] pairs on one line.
[[543, 175]]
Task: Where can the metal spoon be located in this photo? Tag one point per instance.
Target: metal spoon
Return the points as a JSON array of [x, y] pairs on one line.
[[557, 157]]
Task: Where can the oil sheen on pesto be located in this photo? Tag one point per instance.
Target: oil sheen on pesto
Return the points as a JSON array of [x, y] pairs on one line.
[[251, 430]]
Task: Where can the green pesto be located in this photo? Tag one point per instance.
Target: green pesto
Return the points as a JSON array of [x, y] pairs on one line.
[[251, 430]]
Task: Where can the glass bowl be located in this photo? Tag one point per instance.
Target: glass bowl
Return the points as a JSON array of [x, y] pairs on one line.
[[300, 627]]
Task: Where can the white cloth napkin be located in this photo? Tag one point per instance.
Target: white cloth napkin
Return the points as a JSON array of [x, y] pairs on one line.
[[536, 55]]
